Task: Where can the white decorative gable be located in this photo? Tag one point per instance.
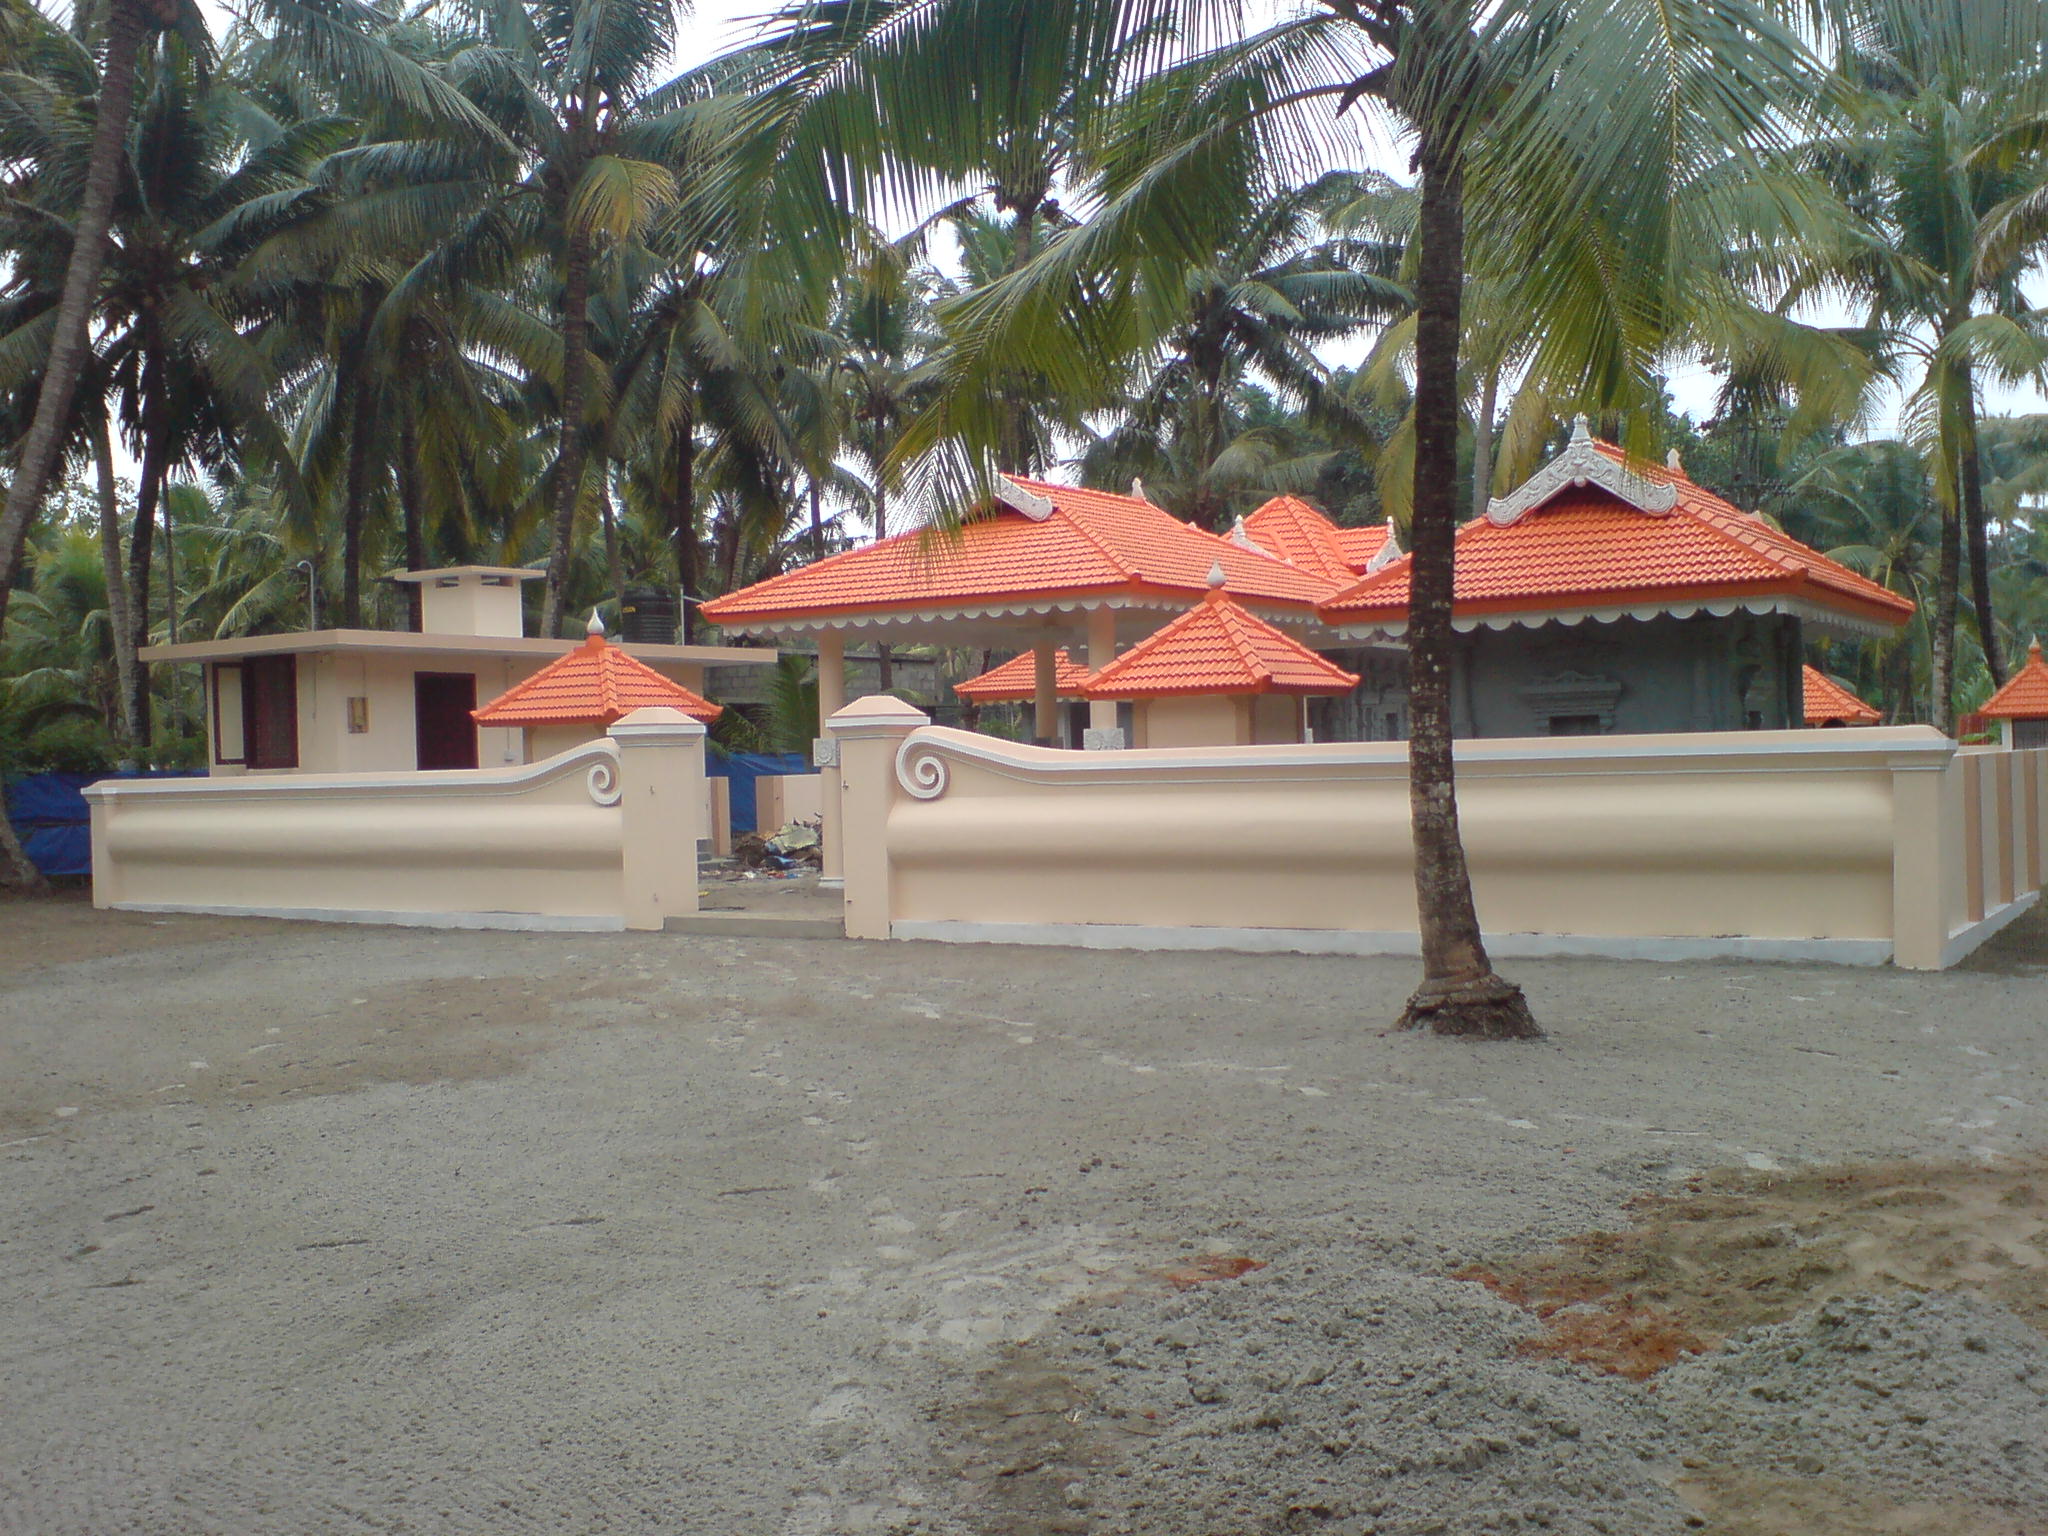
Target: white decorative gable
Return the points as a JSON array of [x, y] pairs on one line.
[[1012, 495], [1388, 552], [1581, 464]]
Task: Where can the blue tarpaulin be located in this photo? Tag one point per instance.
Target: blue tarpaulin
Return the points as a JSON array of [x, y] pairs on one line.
[[742, 768], [50, 816]]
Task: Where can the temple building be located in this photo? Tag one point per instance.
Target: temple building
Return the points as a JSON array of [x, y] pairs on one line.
[[2021, 706], [1604, 598]]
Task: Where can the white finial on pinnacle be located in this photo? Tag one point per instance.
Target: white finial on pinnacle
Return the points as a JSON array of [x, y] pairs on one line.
[[595, 626], [1216, 577], [1582, 429], [1672, 461], [1137, 489]]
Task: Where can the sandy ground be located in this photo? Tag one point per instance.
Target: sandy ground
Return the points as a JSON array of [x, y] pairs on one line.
[[311, 1229]]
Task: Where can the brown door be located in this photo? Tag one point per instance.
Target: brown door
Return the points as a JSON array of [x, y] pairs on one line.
[[270, 712], [441, 702]]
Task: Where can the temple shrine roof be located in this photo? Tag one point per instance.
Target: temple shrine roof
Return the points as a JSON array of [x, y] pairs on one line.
[[595, 684], [1039, 547], [1217, 647], [1290, 529], [2025, 694], [1828, 700], [1591, 535], [1017, 679]]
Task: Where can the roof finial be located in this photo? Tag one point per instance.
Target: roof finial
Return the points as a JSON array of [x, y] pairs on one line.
[[1672, 461], [1216, 576], [595, 626], [1137, 489], [1582, 429]]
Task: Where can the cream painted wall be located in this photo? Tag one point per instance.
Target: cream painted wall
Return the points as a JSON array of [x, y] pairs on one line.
[[1779, 836], [328, 679], [1205, 721], [602, 836]]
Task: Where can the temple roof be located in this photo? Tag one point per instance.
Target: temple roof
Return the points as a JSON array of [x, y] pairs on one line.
[[1591, 535], [1217, 647], [2025, 694], [1828, 700], [1038, 548], [1290, 529], [1017, 679], [595, 684]]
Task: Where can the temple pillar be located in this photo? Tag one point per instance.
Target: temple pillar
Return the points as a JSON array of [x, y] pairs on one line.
[[1101, 652], [825, 753], [1045, 713]]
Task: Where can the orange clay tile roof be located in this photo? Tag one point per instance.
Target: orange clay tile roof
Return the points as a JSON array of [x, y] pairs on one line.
[[1216, 647], [1359, 545], [1587, 548], [2025, 694], [1294, 531], [1017, 678], [1828, 700], [1093, 544], [595, 684]]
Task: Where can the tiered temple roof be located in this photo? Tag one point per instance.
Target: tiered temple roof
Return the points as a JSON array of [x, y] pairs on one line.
[[2025, 694], [1827, 702], [595, 684]]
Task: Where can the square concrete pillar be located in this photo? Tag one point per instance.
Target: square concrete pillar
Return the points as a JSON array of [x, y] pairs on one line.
[[663, 805], [868, 733]]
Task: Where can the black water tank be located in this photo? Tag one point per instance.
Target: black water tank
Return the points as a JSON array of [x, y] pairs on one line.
[[650, 616]]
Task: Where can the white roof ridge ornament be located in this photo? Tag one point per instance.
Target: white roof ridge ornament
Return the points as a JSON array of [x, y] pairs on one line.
[[1581, 463], [595, 626], [1012, 495], [1137, 489], [1243, 539], [1216, 575], [1388, 552]]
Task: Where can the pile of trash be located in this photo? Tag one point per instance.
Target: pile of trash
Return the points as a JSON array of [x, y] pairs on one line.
[[795, 847]]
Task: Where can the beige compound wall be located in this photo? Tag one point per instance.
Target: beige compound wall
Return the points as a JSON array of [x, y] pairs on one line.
[[1842, 845], [602, 836]]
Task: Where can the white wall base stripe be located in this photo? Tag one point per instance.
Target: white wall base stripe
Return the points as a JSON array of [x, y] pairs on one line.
[[1965, 940], [517, 922], [1323, 941]]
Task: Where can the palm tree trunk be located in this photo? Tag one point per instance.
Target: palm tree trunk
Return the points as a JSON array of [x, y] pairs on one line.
[[885, 659], [126, 27], [142, 540], [1482, 442], [682, 521], [120, 620], [817, 520], [569, 453], [22, 870], [173, 698], [414, 513], [614, 570], [1942, 645], [1460, 994], [355, 512], [1970, 479]]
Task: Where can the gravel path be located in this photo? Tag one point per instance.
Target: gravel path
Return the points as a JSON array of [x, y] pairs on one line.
[[311, 1229]]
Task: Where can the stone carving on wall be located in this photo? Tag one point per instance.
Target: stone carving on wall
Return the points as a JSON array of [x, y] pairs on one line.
[[1572, 693]]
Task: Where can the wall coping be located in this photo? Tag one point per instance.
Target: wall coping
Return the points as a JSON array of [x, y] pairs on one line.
[[599, 757], [656, 723], [878, 715]]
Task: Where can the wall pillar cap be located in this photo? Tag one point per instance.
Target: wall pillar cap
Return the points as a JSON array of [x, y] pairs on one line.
[[656, 723], [877, 715]]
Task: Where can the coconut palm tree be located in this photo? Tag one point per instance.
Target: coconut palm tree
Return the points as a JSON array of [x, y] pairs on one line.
[[1570, 123], [324, 39], [1281, 284], [1935, 160]]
